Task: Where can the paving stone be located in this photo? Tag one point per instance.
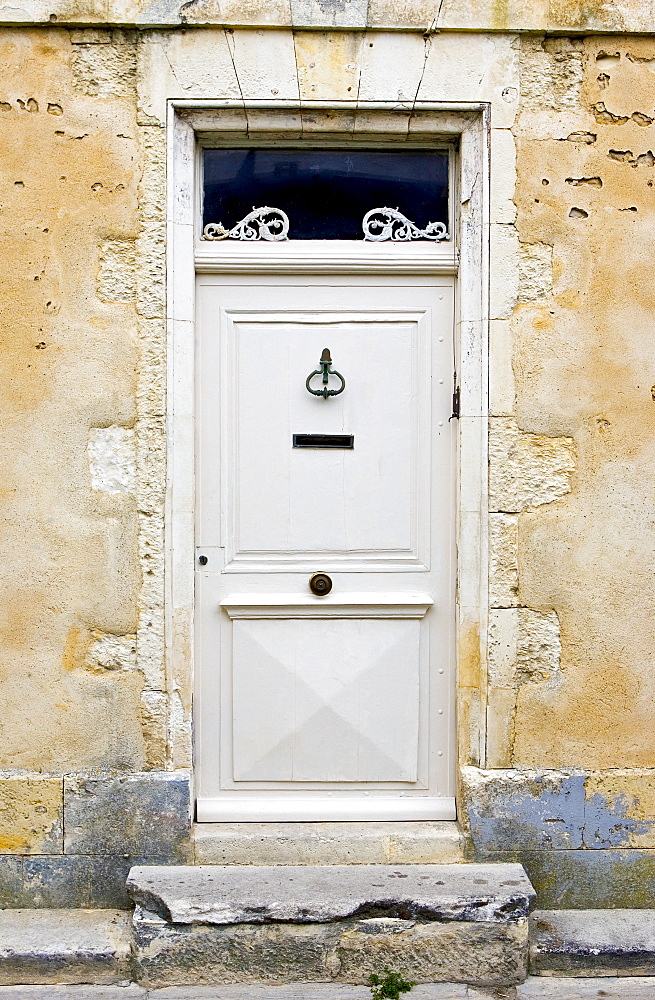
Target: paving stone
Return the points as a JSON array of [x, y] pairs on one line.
[[64, 946], [534, 988], [303, 991], [593, 942], [87, 992], [224, 894], [137, 814], [541, 988]]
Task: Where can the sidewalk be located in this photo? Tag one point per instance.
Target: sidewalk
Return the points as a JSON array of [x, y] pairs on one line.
[[536, 988]]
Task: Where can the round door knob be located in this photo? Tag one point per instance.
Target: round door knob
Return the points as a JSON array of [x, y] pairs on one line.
[[320, 584]]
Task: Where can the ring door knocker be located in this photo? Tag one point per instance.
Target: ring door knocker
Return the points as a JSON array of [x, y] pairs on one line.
[[325, 369]]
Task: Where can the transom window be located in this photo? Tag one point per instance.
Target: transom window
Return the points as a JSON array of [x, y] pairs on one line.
[[325, 194]]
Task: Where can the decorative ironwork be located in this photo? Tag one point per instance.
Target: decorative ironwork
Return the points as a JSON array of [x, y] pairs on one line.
[[325, 369], [263, 223], [390, 224]]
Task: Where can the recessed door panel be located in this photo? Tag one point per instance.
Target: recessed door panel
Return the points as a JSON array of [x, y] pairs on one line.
[[326, 700], [359, 499], [338, 702]]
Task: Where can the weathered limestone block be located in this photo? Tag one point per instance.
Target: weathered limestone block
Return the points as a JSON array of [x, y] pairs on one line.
[[620, 808], [31, 814], [11, 880], [104, 63], [515, 810], [485, 953], [64, 946], [112, 459], [326, 843], [333, 13], [71, 881], [589, 879], [535, 271], [111, 652], [524, 646], [215, 924], [503, 560], [117, 274], [197, 954], [136, 814], [611, 942], [482, 953], [551, 73], [559, 810], [225, 894], [527, 470]]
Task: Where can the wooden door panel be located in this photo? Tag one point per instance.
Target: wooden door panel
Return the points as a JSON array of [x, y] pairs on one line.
[[329, 701], [290, 500]]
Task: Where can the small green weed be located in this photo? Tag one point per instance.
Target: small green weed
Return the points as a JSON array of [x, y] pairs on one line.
[[389, 986]]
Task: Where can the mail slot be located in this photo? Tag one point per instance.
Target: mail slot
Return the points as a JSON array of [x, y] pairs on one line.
[[323, 440]]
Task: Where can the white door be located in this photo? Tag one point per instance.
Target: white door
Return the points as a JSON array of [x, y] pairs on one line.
[[335, 706]]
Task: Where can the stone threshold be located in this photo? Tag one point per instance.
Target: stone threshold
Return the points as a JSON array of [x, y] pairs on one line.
[[328, 843]]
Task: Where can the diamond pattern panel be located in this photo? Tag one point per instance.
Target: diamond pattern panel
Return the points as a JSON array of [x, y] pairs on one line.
[[326, 700]]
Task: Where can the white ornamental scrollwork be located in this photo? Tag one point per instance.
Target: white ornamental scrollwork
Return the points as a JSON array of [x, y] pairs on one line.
[[263, 223], [390, 224]]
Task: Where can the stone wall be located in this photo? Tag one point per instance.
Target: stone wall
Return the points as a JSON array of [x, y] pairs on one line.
[[87, 728], [95, 721]]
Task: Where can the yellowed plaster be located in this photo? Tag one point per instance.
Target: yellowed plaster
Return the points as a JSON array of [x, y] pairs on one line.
[[583, 367], [70, 165], [82, 233]]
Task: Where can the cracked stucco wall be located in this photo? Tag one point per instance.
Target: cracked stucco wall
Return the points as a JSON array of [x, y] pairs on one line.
[[568, 686]]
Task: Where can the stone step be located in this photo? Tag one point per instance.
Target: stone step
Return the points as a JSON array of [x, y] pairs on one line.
[[593, 943], [64, 946], [417, 843], [217, 924]]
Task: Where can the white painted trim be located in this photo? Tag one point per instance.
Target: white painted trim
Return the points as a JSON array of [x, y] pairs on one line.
[[389, 605], [288, 810], [189, 120], [319, 257], [179, 558]]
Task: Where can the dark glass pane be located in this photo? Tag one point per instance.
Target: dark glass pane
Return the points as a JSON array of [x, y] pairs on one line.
[[325, 193]]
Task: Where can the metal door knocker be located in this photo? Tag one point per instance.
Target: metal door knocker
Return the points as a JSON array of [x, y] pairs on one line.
[[325, 370]]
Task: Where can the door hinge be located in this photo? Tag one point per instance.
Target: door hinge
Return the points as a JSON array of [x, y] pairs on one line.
[[455, 412]]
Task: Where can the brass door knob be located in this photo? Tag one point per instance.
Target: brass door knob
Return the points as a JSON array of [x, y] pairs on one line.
[[320, 584]]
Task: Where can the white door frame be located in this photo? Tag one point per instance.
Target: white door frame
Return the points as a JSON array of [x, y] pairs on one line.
[[366, 122]]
